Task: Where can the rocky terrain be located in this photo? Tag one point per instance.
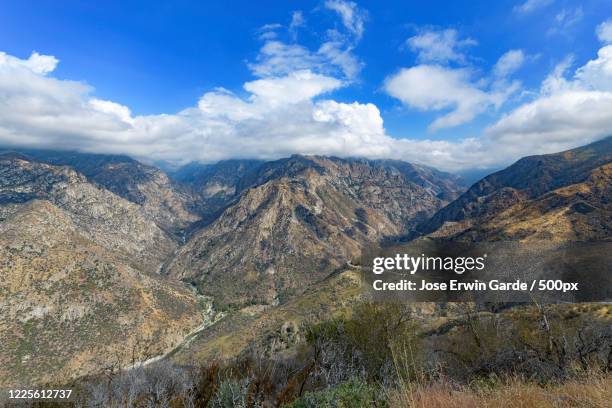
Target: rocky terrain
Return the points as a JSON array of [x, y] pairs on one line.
[[560, 197], [216, 184], [173, 206], [301, 218], [106, 261], [83, 238], [78, 288]]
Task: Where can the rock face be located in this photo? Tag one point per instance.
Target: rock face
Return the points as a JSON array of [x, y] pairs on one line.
[[172, 205], [299, 219], [103, 217], [93, 248], [217, 185], [83, 238], [78, 282], [557, 197]]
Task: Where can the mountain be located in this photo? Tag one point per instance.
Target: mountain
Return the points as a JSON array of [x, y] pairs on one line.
[[105, 218], [299, 219], [104, 260], [78, 282], [555, 197], [172, 205], [221, 177], [217, 185]]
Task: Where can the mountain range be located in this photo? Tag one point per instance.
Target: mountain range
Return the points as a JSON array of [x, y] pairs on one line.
[[106, 260], [560, 197]]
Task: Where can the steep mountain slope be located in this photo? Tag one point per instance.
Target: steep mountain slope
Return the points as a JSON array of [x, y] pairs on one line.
[[102, 216], [171, 205], [298, 220], [78, 288], [563, 196], [217, 185]]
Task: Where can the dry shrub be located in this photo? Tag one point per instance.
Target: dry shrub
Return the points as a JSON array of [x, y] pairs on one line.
[[595, 392]]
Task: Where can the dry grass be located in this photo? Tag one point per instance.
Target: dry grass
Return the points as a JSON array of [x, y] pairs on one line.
[[595, 392]]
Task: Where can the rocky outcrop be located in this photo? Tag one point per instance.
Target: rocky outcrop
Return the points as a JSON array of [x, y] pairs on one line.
[[557, 197], [171, 205], [298, 220], [78, 284]]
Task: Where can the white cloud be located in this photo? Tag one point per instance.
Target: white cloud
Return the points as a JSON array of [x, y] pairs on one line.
[[434, 88], [269, 31], [565, 20], [297, 21], [40, 64], [294, 88], [555, 122], [333, 57], [439, 46], [597, 73], [567, 112], [289, 110], [604, 31], [531, 5], [342, 57], [278, 117], [277, 58], [352, 16], [509, 63]]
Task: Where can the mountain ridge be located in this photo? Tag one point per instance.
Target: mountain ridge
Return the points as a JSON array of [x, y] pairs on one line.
[[564, 179], [299, 218]]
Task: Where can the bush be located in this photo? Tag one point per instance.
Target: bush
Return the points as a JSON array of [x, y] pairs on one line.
[[231, 394], [349, 394], [365, 345], [542, 343]]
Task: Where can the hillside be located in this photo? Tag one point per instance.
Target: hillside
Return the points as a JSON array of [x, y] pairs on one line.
[[172, 205], [557, 197], [301, 218], [78, 289]]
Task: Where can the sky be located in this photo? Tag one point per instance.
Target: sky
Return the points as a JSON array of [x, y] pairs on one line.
[[459, 86]]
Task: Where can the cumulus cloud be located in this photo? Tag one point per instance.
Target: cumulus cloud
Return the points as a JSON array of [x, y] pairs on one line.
[[40, 64], [441, 46], [568, 111], [531, 5], [604, 31], [437, 85], [278, 117], [597, 73], [438, 88], [431, 87], [287, 108]]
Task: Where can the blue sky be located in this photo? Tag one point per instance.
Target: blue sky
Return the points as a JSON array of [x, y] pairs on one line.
[[159, 61]]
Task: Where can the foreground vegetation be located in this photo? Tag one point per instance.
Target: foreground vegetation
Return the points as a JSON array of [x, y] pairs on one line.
[[385, 356]]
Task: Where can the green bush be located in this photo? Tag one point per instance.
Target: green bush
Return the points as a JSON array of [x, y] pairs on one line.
[[371, 339], [349, 394]]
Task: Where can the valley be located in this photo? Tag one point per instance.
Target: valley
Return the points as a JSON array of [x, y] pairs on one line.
[[108, 262]]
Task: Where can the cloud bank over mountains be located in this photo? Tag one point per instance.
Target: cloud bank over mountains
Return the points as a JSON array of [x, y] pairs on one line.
[[287, 108]]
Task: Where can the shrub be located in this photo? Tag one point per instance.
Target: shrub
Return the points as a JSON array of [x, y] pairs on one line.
[[231, 394], [363, 345], [349, 394]]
